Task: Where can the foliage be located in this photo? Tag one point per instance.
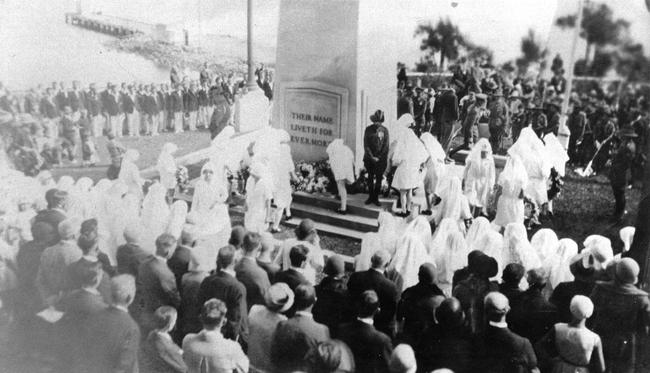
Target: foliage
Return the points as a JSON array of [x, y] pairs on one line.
[[313, 177], [426, 64], [532, 51], [445, 38], [632, 62], [479, 53]]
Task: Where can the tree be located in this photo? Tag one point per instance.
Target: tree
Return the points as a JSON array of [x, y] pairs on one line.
[[598, 27], [479, 53], [445, 38], [531, 50], [632, 62]]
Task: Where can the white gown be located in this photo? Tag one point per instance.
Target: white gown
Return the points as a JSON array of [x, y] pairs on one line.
[[209, 211], [257, 193], [513, 180]]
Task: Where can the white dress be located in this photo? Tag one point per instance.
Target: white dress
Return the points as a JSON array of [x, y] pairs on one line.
[[341, 160], [130, 175], [166, 168], [510, 207], [257, 194], [209, 212], [409, 155], [282, 165]]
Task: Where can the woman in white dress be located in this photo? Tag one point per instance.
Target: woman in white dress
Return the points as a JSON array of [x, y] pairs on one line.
[[65, 183], [545, 242], [434, 169], [130, 174], [110, 219], [155, 211], [559, 270], [283, 170], [166, 167], [479, 176], [341, 160], [409, 156], [259, 192], [209, 211], [80, 201], [421, 227], [177, 219], [452, 258], [513, 180], [478, 228], [408, 258], [491, 244], [453, 204]]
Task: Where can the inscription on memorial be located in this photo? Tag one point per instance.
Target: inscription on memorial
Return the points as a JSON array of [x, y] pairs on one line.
[[312, 116]]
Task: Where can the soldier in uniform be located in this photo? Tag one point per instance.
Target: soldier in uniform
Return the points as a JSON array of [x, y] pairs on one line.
[[375, 159], [620, 163]]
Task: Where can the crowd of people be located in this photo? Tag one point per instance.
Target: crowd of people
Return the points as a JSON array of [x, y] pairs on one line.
[[57, 125], [131, 282]]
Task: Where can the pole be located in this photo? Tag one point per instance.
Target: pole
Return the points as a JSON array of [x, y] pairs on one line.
[[563, 132], [252, 84]]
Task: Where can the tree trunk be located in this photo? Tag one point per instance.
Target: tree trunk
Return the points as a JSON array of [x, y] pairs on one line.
[[587, 54], [442, 59]]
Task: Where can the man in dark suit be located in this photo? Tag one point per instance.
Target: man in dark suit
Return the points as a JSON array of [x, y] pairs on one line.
[[534, 316], [582, 284], [180, 260], [375, 158], [94, 106], [445, 113], [55, 212], [295, 338], [156, 284], [111, 337], [47, 105], [77, 270], [130, 255], [250, 273], [371, 348], [374, 279], [413, 308], [501, 350], [223, 285], [61, 98], [294, 276]]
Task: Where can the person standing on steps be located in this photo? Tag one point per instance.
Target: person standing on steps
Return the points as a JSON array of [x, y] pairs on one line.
[[375, 158]]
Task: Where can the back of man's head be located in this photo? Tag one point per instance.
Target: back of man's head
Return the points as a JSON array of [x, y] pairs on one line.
[[496, 306], [165, 245], [251, 244], [304, 297], [237, 236], [226, 257], [306, 228], [122, 290], [213, 314], [450, 313], [368, 304], [91, 275], [298, 255], [55, 198], [427, 274], [87, 243], [380, 259], [133, 234]]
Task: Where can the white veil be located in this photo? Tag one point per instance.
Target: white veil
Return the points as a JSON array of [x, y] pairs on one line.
[[155, 211], [408, 258], [518, 249], [559, 269], [545, 242]]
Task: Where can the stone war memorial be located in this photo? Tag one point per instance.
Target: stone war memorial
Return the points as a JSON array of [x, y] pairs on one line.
[[335, 65]]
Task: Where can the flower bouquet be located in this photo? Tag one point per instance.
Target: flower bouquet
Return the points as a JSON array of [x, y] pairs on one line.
[[182, 180]]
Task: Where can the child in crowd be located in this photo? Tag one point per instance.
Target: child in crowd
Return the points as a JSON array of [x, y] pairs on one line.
[[88, 150]]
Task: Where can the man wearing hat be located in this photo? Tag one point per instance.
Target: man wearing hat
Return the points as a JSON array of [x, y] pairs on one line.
[[55, 212], [470, 124], [445, 113], [111, 110], [533, 316], [263, 320], [620, 163], [375, 158], [499, 120], [622, 312]]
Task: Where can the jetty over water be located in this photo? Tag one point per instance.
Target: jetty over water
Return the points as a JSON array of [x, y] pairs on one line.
[[116, 26]]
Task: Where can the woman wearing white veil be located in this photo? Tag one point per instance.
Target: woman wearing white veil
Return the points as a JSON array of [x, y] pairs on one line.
[[517, 248], [479, 176], [111, 220], [80, 201], [409, 156], [452, 257], [435, 169], [283, 170], [490, 243], [545, 242], [130, 174], [370, 243], [65, 183], [597, 252], [408, 258], [513, 180], [559, 264], [177, 219], [166, 167], [97, 194], [209, 212], [341, 160], [531, 151], [453, 204], [155, 211], [443, 230], [259, 192], [626, 234], [479, 226], [421, 228]]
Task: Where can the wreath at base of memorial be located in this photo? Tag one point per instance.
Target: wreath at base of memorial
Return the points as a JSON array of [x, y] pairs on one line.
[[182, 180], [314, 177]]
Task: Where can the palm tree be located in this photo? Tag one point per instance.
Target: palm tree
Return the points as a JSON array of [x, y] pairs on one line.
[[531, 50], [445, 38]]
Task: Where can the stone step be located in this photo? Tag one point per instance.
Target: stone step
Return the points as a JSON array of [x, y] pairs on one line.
[[330, 230], [356, 204], [331, 217]]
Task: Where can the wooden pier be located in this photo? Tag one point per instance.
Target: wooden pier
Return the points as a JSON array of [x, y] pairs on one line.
[[110, 25]]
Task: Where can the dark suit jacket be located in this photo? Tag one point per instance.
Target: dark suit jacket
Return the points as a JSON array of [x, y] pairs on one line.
[[270, 268], [48, 109], [386, 291], [564, 292], [445, 347], [533, 316], [162, 355], [226, 288], [93, 103], [293, 339], [446, 107], [127, 103], [375, 144], [129, 257], [254, 279], [110, 104], [415, 309], [111, 342], [179, 262], [291, 277], [370, 347], [50, 216], [333, 306], [501, 350], [156, 286]]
